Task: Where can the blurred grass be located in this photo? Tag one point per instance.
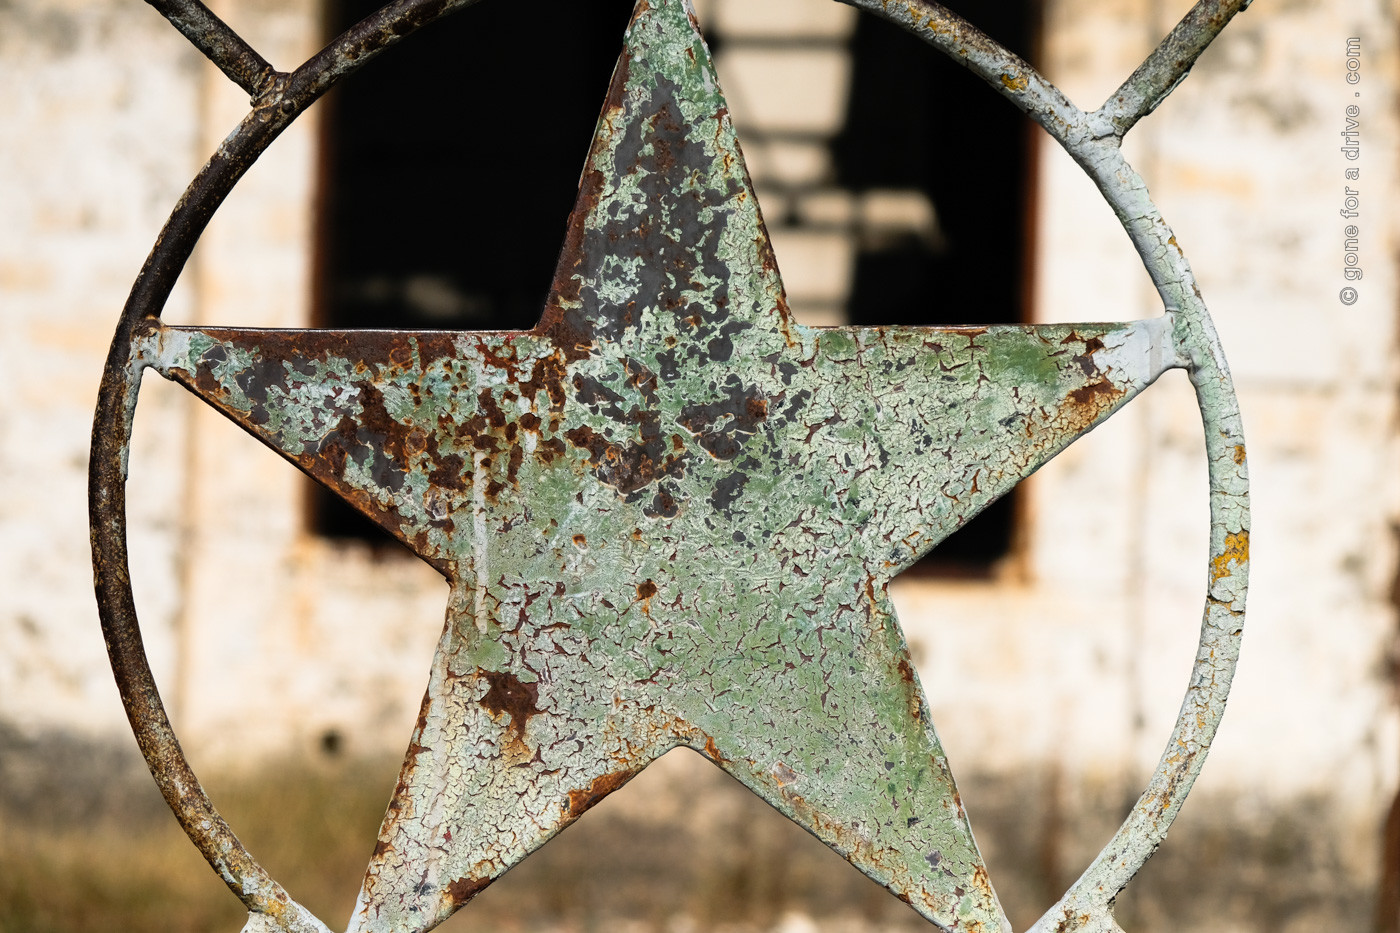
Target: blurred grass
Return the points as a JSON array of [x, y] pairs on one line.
[[86, 844], [129, 867], [684, 848]]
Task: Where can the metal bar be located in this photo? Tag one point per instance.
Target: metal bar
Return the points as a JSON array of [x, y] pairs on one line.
[[1009, 74], [1089, 902], [1168, 64], [289, 96], [220, 44], [111, 575], [391, 24], [111, 433]]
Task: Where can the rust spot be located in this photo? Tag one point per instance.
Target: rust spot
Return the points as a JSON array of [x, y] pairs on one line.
[[580, 540], [981, 882], [448, 469], [906, 673], [581, 800], [1083, 406], [765, 252], [415, 748], [206, 383], [663, 505], [1239, 453], [548, 376], [586, 438], [410, 766], [503, 359], [1014, 82], [646, 589], [548, 450], [561, 322], [375, 418], [712, 750], [1236, 552], [334, 455], [510, 695], [490, 409], [723, 426], [464, 889], [513, 461], [1095, 393]]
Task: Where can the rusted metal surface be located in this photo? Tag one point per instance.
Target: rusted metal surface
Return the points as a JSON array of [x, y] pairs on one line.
[[220, 44], [669, 513]]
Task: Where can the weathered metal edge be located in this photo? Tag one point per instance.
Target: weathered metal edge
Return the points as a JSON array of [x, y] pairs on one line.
[[277, 107]]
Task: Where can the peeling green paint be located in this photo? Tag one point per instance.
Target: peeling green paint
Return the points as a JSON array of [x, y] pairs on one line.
[[669, 513]]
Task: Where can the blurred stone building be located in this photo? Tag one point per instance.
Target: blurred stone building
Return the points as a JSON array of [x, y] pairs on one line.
[[1053, 638]]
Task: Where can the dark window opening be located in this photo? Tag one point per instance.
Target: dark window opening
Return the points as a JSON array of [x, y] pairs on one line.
[[918, 120], [450, 164], [453, 162]]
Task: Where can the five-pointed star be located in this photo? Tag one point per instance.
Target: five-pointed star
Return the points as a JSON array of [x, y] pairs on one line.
[[668, 513]]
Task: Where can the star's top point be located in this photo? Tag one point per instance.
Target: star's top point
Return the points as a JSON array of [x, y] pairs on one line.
[[666, 239]]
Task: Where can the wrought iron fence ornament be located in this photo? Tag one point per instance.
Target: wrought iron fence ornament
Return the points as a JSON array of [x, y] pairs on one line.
[[669, 512]]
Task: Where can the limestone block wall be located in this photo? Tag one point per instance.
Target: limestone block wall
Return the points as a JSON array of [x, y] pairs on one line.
[[101, 118]]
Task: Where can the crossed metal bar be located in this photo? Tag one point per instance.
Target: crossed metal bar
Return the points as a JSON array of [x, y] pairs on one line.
[[581, 363]]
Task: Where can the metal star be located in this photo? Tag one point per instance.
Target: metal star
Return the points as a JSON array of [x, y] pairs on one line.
[[668, 513]]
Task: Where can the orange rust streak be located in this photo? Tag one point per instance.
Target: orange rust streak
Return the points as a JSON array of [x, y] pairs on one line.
[[464, 889], [1236, 551], [582, 800]]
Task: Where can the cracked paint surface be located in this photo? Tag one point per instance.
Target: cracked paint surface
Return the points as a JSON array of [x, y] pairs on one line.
[[669, 513]]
